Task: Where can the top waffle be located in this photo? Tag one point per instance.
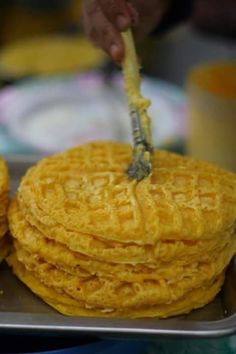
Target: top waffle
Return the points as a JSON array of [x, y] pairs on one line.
[[86, 191]]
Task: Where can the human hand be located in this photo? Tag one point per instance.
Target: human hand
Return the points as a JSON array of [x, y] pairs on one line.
[[105, 19]]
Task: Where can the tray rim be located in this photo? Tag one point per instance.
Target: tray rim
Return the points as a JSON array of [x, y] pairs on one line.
[[56, 323]]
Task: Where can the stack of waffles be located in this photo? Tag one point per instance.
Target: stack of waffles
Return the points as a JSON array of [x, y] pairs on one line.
[[91, 242], [4, 190]]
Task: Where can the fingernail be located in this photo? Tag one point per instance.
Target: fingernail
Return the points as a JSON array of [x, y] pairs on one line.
[[122, 22], [115, 52]]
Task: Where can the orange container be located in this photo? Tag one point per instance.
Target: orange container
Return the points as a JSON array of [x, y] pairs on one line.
[[212, 113]]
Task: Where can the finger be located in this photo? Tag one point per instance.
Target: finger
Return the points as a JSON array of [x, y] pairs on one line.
[[103, 34], [111, 41], [117, 12]]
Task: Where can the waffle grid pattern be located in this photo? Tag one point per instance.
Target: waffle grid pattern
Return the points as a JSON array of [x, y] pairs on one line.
[[90, 241]]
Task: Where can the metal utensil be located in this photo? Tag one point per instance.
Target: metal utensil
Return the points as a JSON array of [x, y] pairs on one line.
[[141, 165]]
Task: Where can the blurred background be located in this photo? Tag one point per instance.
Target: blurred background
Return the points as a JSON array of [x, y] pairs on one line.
[[55, 86]]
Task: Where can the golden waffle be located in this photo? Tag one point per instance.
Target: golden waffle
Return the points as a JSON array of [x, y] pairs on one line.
[[110, 292], [113, 252], [78, 265], [34, 242], [86, 190], [69, 306], [91, 241]]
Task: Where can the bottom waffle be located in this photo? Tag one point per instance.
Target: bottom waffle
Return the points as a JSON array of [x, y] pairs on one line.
[[69, 306]]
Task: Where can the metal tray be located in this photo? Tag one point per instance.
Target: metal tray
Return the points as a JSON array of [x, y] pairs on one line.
[[21, 311]]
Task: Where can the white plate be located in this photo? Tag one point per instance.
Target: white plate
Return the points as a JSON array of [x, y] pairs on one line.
[[52, 115]]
